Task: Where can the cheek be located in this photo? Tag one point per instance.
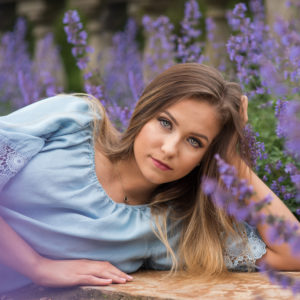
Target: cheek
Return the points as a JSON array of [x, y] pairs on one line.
[[189, 161], [192, 163], [141, 142], [147, 136]]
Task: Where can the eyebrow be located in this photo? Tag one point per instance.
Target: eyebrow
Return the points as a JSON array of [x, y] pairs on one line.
[[193, 133]]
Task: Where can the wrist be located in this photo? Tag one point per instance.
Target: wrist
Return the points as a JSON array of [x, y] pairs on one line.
[[36, 269]]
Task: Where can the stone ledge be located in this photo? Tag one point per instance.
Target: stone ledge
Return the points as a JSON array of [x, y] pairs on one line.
[[155, 285]]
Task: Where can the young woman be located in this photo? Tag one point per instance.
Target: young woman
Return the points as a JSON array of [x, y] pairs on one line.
[[83, 204]]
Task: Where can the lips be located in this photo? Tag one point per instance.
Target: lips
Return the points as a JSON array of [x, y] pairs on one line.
[[160, 165]]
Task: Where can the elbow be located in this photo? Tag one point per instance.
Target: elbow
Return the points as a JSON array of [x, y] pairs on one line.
[[280, 262]]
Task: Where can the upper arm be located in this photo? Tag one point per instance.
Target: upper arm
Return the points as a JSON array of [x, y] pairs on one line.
[[278, 254], [276, 206], [24, 132]]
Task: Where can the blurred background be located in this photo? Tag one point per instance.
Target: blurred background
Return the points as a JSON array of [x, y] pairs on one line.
[[46, 48], [103, 18]]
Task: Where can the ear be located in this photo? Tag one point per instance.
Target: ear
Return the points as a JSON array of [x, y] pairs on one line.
[[244, 108]]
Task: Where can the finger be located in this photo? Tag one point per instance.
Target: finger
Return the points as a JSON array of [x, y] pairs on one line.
[[116, 278], [122, 275], [244, 100], [93, 280], [113, 270]]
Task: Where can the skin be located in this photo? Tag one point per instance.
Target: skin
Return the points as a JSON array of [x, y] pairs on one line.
[[176, 139], [170, 138], [278, 256]]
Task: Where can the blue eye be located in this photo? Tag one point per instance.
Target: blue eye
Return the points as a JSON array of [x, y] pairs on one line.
[[165, 123], [195, 143]]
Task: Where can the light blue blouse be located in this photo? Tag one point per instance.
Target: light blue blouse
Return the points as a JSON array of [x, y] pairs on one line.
[[50, 195]]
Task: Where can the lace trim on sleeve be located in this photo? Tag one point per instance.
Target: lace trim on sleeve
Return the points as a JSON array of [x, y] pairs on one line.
[[242, 257], [11, 161]]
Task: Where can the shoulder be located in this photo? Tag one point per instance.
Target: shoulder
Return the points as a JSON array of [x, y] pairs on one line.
[[54, 105], [61, 114]]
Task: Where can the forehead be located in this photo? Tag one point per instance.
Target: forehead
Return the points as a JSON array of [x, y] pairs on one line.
[[196, 116]]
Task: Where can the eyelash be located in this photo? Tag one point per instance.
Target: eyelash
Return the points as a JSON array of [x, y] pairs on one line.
[[163, 122], [199, 144]]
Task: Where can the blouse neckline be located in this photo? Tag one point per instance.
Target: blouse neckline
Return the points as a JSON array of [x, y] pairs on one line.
[[139, 206]]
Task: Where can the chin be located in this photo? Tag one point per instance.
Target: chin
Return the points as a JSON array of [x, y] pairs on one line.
[[156, 179]]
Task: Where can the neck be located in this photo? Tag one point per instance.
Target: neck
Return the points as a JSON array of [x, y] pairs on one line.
[[136, 188]]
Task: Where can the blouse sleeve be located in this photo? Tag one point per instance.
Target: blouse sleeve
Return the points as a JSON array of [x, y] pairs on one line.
[[24, 132], [242, 257], [238, 255]]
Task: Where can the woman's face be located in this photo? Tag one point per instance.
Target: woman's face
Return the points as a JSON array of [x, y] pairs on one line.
[[173, 143]]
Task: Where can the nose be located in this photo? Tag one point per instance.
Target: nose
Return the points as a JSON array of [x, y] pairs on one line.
[[170, 146]]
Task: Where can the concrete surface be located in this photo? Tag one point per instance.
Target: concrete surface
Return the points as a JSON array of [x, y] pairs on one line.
[[155, 285]]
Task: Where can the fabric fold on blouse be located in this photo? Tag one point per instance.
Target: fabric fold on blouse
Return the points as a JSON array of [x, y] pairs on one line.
[[50, 194]]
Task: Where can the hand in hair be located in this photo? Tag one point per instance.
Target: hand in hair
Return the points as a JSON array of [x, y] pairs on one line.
[[279, 255], [244, 108]]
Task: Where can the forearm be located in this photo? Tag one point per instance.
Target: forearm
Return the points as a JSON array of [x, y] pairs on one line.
[[279, 261], [15, 252], [288, 260]]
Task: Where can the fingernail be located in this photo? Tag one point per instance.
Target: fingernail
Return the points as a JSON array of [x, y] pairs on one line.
[[129, 277]]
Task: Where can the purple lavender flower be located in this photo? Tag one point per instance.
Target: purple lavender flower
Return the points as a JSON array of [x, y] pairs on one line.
[[289, 124], [256, 52], [28, 90], [77, 37], [210, 27], [278, 165], [237, 192], [95, 90], [290, 168], [47, 67], [279, 114], [281, 279], [160, 53], [27, 80], [123, 76], [71, 17], [14, 58], [293, 3], [257, 8], [286, 53], [239, 10], [189, 49], [257, 149], [271, 79], [235, 198], [243, 47]]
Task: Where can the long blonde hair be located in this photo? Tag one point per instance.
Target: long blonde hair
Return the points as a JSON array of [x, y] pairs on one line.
[[203, 225]]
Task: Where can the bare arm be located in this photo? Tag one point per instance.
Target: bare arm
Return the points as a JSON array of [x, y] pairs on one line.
[[11, 245], [278, 255], [17, 254]]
